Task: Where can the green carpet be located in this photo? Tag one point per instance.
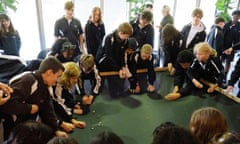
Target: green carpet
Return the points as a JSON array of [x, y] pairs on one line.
[[135, 117]]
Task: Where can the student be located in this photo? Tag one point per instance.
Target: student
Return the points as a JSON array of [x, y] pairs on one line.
[[173, 43], [62, 140], [5, 93], [111, 57], [184, 61], [70, 27], [206, 66], [90, 72], [31, 95], [139, 60], [30, 132], [94, 31], [215, 37], [175, 135], [106, 137], [63, 50], [231, 38], [143, 31], [206, 122], [194, 32], [63, 100], [226, 138], [234, 78], [10, 41]]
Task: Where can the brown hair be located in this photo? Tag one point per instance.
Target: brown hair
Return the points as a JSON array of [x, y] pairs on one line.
[[69, 5], [169, 33], [147, 15], [125, 28], [50, 63], [206, 48], [207, 122], [197, 12], [100, 13]]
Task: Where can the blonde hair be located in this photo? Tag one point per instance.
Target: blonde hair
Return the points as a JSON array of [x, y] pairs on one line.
[[147, 48], [206, 122], [206, 48], [87, 61], [71, 70], [100, 13]]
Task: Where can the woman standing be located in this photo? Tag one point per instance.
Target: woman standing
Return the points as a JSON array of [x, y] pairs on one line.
[[10, 41], [94, 31]]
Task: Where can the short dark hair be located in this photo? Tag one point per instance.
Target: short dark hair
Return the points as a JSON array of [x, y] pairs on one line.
[[107, 137], [218, 20], [31, 132], [62, 140], [162, 126], [174, 135], [147, 15], [236, 12], [52, 63], [185, 56]]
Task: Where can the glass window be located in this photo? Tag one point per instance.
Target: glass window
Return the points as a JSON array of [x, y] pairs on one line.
[[25, 22], [115, 12], [208, 7], [183, 13], [52, 10]]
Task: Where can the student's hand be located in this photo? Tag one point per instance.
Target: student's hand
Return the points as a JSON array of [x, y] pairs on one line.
[[175, 89], [6, 89], [77, 106], [229, 88], [3, 99], [212, 88], [197, 84], [172, 96], [79, 124], [170, 66], [228, 51], [87, 100], [136, 90], [78, 111], [151, 88], [61, 134], [122, 74], [34, 109], [68, 127]]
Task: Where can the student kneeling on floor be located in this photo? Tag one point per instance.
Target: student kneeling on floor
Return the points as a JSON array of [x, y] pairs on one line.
[[140, 60]]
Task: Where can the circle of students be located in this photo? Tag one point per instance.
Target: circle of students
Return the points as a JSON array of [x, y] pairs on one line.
[[50, 90]]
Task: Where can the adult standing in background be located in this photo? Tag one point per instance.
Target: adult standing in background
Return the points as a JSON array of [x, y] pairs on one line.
[[167, 19], [10, 42], [94, 31], [70, 27]]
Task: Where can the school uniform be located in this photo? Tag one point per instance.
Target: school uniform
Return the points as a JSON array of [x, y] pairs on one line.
[[211, 71], [135, 63], [63, 102], [193, 35], [143, 35], [111, 57], [95, 81], [215, 39], [181, 77], [94, 36], [235, 76], [173, 48], [231, 37], [10, 43], [69, 29], [29, 88]]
